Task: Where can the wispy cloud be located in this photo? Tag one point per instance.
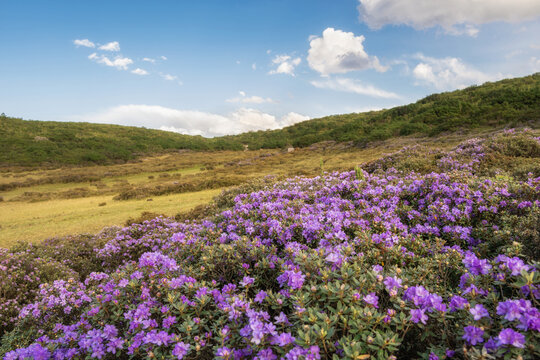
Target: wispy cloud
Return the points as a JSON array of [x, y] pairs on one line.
[[150, 60], [139, 71], [285, 64], [84, 42], [168, 77], [243, 98], [111, 46], [121, 63], [353, 86]]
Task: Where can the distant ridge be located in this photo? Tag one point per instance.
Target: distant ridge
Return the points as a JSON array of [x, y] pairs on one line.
[[505, 103]]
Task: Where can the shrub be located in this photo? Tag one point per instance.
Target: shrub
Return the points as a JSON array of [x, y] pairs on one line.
[[22, 275]]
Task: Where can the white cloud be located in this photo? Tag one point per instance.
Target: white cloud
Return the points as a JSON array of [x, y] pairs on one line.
[[350, 85], [249, 99], [285, 64], [340, 52], [449, 73], [455, 16], [169, 77], [121, 63], [84, 42], [163, 57], [191, 122], [293, 118], [150, 60], [111, 46], [139, 71], [254, 66]]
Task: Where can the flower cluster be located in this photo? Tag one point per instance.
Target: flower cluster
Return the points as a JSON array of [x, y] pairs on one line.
[[308, 268]]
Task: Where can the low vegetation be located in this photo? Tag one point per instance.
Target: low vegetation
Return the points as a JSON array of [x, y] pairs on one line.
[[409, 256]]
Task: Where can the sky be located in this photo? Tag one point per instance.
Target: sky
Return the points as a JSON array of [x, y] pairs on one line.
[[223, 67]]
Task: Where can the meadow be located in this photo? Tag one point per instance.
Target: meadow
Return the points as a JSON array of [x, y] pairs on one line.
[[424, 253], [42, 203]]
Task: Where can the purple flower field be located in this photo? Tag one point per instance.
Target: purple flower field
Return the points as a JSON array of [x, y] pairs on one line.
[[377, 264]]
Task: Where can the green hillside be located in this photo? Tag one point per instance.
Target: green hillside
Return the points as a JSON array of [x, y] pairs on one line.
[[26, 142], [510, 102]]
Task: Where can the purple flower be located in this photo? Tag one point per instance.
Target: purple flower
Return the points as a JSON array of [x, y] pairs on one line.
[[392, 283], [282, 319], [473, 335], [478, 312], [419, 315], [168, 321], [372, 299], [224, 353], [247, 281], [457, 302], [283, 339], [266, 354], [476, 266], [295, 279], [261, 295], [180, 350], [511, 337]]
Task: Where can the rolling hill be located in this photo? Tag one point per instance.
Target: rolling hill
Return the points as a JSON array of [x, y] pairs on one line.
[[505, 103]]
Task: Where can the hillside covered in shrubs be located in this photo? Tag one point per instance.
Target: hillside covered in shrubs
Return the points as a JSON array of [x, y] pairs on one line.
[[505, 103], [410, 256]]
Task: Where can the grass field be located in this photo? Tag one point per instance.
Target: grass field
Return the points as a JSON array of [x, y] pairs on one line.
[[39, 220], [38, 204]]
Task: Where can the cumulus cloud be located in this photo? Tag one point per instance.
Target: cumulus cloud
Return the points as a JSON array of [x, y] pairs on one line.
[[249, 99], [163, 57], [449, 73], [139, 71], [150, 60], [111, 46], [340, 52], [84, 42], [121, 63], [285, 64], [192, 122], [455, 16], [353, 86]]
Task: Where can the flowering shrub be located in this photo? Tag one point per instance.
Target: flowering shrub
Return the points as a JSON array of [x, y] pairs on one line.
[[22, 274], [358, 265]]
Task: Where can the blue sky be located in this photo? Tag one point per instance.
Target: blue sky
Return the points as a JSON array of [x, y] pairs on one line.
[[219, 67]]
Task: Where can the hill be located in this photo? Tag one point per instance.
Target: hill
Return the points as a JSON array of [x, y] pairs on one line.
[[510, 102], [27, 143]]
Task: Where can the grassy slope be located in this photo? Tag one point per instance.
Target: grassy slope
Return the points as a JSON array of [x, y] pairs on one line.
[[510, 102]]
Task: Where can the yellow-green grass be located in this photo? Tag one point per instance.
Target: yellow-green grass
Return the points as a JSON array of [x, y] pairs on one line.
[[37, 221]]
